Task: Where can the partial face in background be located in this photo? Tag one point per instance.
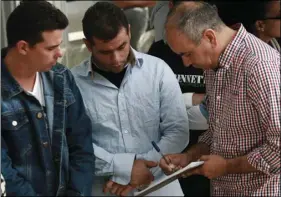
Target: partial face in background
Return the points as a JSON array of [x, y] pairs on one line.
[[111, 55], [198, 55], [270, 26], [44, 55]]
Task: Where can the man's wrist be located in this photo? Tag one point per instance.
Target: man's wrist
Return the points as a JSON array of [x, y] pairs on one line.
[[239, 165], [197, 150]]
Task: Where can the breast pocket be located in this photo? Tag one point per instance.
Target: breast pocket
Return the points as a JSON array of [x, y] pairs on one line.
[[16, 132], [14, 122], [144, 116], [151, 113]]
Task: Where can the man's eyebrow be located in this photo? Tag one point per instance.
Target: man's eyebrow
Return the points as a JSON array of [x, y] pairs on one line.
[[182, 54], [109, 51], [54, 46]]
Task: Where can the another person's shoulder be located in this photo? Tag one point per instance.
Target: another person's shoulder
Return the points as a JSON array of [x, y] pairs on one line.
[[153, 66], [81, 69], [150, 61]]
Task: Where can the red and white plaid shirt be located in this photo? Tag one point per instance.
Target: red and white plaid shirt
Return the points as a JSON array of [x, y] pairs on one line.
[[243, 100]]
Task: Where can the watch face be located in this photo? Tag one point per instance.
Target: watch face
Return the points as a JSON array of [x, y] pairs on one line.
[[3, 186]]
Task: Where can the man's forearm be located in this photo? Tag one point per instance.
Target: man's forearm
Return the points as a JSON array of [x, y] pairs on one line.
[[239, 165], [197, 150]]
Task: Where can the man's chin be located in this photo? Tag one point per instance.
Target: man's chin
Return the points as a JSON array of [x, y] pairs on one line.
[[46, 69], [118, 70]]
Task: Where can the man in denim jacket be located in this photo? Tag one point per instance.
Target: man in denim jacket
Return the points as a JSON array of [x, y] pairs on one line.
[[46, 135]]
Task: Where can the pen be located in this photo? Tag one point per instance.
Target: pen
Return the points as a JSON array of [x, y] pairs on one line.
[[158, 150]]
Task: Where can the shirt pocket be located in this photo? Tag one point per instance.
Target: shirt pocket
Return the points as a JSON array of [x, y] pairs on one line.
[[14, 122], [151, 113], [17, 135], [144, 116], [16, 130]]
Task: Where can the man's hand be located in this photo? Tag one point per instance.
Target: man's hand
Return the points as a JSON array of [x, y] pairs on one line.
[[197, 98], [140, 176], [117, 189], [177, 161], [214, 166]]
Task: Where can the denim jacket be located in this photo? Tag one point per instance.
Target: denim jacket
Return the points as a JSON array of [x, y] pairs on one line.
[[45, 153]]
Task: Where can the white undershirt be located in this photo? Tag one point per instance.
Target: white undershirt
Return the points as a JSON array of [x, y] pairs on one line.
[[37, 91]]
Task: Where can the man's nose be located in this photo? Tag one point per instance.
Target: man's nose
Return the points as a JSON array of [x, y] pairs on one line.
[[186, 62]]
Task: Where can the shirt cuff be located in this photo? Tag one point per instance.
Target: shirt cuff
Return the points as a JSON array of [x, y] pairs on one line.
[[256, 160], [122, 167], [187, 97]]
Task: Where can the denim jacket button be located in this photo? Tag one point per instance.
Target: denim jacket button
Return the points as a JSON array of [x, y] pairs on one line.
[[39, 115], [14, 123], [45, 144]]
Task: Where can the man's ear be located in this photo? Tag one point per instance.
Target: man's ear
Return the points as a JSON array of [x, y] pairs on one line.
[[171, 4], [88, 45], [22, 47], [210, 36], [129, 30], [259, 25]]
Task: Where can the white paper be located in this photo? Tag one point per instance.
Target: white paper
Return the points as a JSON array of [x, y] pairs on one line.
[[156, 187]]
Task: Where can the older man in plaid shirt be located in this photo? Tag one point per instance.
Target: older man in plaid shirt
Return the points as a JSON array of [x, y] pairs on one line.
[[241, 148]]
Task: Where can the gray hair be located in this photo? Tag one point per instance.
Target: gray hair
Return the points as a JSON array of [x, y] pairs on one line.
[[194, 18]]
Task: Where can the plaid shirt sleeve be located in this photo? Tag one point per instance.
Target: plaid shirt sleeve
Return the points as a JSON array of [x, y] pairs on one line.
[[264, 92]]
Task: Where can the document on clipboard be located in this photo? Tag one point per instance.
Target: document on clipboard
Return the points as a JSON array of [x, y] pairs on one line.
[[167, 179]]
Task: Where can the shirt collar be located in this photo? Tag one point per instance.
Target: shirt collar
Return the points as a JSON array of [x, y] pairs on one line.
[[225, 59], [134, 58]]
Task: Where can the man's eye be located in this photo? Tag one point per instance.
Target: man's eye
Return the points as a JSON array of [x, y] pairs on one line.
[[122, 47], [105, 52], [187, 54]]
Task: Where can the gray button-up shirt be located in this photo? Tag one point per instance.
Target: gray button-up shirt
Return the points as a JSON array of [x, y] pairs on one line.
[[147, 106]]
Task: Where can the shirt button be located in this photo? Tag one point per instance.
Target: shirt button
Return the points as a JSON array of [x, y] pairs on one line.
[[125, 131], [39, 115], [14, 123], [45, 144], [218, 97]]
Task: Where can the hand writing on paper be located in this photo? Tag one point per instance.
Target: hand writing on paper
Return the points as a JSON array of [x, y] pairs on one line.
[[177, 161]]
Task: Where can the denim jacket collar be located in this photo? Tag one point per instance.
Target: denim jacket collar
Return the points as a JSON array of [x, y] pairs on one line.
[[10, 87]]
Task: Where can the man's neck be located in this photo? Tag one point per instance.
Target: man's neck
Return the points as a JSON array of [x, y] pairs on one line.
[[225, 37], [263, 37], [20, 70]]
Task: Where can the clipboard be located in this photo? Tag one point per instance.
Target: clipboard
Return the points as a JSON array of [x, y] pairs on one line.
[[167, 179]]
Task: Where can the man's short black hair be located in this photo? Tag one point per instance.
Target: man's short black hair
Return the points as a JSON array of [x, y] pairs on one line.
[[245, 12], [30, 19], [103, 21]]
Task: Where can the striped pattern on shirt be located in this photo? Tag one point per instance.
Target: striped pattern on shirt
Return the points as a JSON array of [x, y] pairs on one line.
[[243, 100]]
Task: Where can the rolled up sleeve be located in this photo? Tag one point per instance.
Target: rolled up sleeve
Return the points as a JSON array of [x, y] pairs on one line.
[[265, 95]]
